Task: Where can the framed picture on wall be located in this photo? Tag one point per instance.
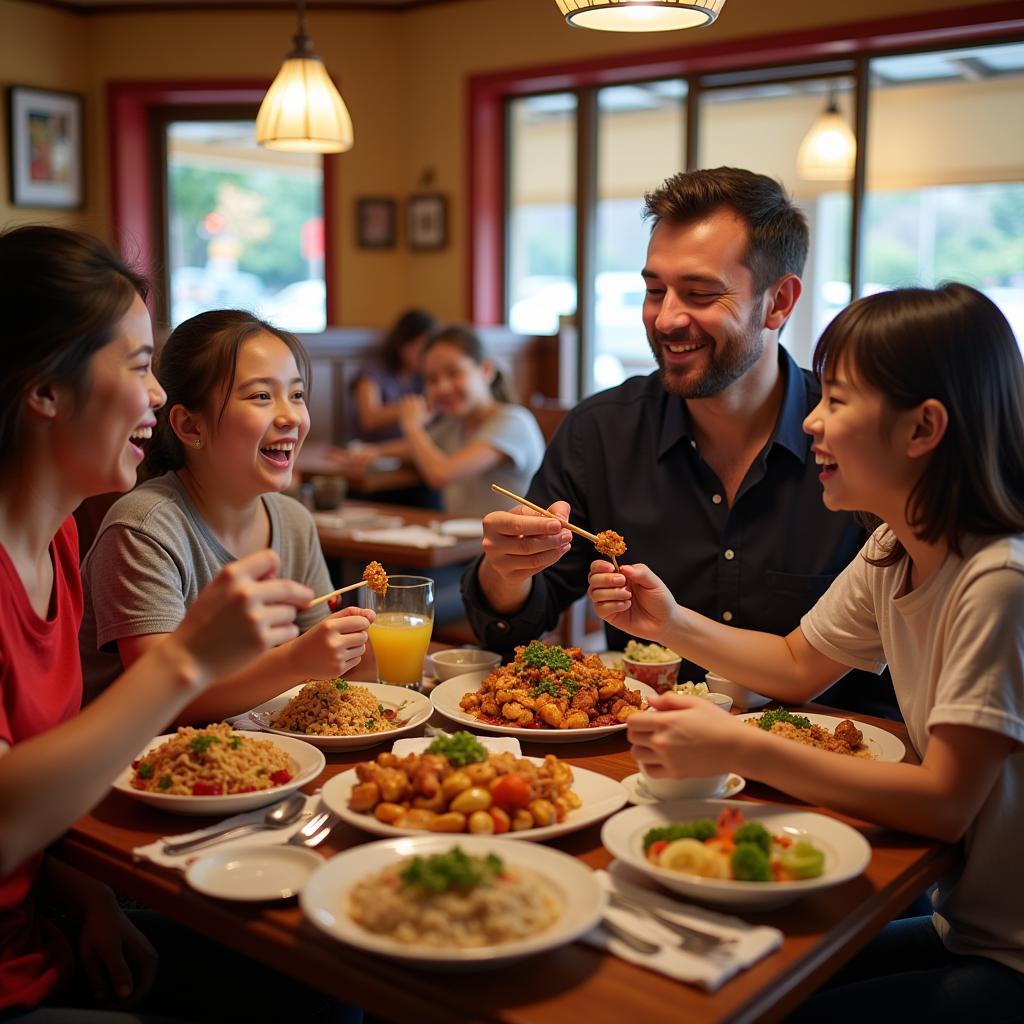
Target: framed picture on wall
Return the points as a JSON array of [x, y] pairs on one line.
[[427, 221], [45, 148], [375, 223]]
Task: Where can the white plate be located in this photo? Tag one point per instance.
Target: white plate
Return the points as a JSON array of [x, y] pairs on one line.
[[882, 744], [325, 899], [462, 527], [307, 763], [734, 785], [847, 852], [601, 796], [416, 711], [254, 872], [446, 696]]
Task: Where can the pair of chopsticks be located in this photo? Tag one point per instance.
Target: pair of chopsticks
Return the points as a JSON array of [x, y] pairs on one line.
[[374, 577], [579, 531], [323, 598]]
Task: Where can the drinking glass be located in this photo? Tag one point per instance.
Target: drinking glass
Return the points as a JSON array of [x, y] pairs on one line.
[[401, 632]]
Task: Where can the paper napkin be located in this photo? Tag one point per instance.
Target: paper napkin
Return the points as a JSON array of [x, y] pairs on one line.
[[708, 970], [406, 536]]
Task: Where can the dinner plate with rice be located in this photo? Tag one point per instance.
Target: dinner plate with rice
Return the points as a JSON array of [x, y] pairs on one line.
[[453, 903], [335, 714], [830, 733], [218, 771]]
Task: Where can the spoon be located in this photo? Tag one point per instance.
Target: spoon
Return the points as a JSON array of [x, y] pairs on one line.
[[279, 816]]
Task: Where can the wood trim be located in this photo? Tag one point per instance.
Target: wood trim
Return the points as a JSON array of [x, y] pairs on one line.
[[88, 10]]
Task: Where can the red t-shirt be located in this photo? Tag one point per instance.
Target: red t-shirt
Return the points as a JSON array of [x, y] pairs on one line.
[[40, 687]]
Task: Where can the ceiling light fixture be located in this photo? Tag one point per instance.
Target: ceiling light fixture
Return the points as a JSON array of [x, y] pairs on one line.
[[640, 15], [303, 112], [829, 149]]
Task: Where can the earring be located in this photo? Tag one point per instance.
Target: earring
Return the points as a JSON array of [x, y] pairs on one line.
[[197, 443]]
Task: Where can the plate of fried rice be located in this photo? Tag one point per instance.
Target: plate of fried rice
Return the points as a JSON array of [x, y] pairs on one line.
[[216, 770], [825, 732], [335, 714], [448, 903]]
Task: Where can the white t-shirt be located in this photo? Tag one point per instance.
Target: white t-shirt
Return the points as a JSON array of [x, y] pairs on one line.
[[955, 646], [513, 431]]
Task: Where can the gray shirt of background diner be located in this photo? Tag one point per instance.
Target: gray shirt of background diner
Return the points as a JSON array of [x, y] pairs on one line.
[[152, 556], [514, 432]]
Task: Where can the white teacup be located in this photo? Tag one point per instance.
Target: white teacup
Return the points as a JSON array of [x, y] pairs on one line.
[[742, 698], [678, 789]]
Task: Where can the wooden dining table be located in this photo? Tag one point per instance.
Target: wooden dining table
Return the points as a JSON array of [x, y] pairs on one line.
[[573, 983]]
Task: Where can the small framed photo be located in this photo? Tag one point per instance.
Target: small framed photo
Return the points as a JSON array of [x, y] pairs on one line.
[[375, 223], [427, 221], [45, 147]]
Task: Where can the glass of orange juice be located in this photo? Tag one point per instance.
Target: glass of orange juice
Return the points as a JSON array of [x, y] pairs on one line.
[[401, 632]]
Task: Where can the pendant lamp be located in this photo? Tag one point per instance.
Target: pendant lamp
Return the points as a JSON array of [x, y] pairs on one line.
[[829, 148], [640, 15], [303, 112]]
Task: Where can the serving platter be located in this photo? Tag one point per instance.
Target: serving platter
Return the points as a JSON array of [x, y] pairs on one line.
[[412, 709], [599, 794], [883, 745], [325, 899], [446, 696], [307, 763]]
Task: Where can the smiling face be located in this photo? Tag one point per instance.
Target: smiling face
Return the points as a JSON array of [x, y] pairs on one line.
[[455, 385], [858, 441], [703, 322], [253, 444], [97, 444]]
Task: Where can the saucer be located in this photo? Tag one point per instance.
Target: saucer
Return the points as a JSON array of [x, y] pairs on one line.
[[638, 795], [254, 872]]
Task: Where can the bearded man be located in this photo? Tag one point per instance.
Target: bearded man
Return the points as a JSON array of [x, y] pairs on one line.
[[703, 466]]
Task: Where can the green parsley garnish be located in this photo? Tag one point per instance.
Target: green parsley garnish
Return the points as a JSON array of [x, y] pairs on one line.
[[769, 718], [340, 684], [455, 869], [545, 686], [145, 770], [369, 723], [201, 744], [165, 782], [236, 742], [380, 708], [541, 655], [461, 749]]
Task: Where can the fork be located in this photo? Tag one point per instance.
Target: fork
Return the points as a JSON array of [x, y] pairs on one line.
[[695, 939], [315, 831]]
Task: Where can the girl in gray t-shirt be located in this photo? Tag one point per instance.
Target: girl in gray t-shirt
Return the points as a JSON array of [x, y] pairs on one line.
[[223, 460]]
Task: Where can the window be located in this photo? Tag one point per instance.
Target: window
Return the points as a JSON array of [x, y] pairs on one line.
[[938, 191], [244, 225]]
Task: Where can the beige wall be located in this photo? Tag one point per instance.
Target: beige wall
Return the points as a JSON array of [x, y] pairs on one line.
[[404, 78]]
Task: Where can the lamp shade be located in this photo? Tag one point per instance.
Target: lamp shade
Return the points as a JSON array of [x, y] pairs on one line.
[[303, 112], [640, 15], [829, 148]]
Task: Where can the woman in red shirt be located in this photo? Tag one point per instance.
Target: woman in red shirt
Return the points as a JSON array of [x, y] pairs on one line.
[[79, 400]]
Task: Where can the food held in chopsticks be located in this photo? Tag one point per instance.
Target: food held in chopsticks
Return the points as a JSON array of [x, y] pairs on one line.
[[552, 687], [610, 543], [733, 849], [456, 786], [454, 900], [846, 738], [607, 542], [334, 707], [374, 577], [215, 761]]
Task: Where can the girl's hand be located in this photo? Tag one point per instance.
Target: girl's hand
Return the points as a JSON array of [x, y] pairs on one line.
[[118, 960], [412, 412], [633, 599], [333, 646], [687, 736], [242, 613]]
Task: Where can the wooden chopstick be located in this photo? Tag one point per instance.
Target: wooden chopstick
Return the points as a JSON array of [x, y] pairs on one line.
[[335, 593], [544, 512]]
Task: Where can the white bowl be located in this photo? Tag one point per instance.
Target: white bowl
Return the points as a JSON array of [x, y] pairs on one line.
[[459, 660], [690, 788], [742, 698]]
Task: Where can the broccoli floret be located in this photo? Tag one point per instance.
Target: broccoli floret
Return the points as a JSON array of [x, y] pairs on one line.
[[702, 829], [750, 864], [754, 832]]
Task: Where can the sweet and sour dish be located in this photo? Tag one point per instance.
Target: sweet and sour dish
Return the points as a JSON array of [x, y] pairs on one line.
[[551, 687], [456, 786]]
